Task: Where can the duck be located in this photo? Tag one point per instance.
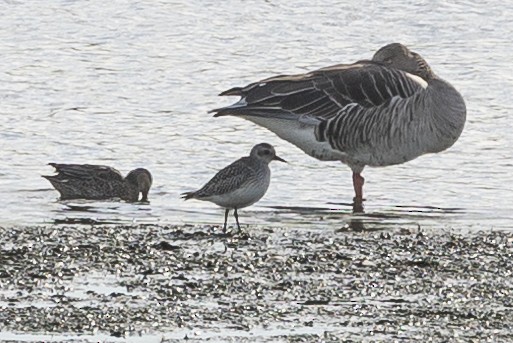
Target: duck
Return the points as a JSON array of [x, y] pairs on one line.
[[380, 112], [99, 182]]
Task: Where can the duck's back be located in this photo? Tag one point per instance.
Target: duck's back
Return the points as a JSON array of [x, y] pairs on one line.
[[86, 181]]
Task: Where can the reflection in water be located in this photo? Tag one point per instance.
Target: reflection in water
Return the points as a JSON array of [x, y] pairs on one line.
[[338, 216], [84, 221], [89, 212], [79, 208], [358, 220], [355, 224], [430, 209], [357, 207]]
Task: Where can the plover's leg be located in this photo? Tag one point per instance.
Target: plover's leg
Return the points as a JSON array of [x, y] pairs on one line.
[[237, 218], [225, 219]]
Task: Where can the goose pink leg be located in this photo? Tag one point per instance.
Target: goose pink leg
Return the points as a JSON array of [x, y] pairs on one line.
[[358, 182]]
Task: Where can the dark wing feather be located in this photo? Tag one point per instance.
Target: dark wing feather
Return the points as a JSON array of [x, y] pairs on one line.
[[75, 181], [87, 172], [322, 93], [227, 179]]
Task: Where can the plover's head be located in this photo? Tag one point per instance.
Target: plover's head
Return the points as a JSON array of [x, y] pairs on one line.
[[265, 152]]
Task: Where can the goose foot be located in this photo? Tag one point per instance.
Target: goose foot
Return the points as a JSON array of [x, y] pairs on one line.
[[357, 206]]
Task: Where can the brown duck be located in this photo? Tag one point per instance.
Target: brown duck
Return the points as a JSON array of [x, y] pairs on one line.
[[97, 182]]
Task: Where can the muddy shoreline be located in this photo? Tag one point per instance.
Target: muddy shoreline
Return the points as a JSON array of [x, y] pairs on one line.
[[167, 283]]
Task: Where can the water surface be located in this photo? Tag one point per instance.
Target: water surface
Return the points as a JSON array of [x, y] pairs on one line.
[[130, 84]]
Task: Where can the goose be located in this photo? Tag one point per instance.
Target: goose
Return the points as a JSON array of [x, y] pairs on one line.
[[98, 182], [379, 112]]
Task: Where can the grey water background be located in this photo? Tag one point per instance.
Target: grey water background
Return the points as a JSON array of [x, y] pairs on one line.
[[129, 84]]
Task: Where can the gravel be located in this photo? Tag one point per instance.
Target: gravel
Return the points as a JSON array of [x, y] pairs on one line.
[[267, 284]]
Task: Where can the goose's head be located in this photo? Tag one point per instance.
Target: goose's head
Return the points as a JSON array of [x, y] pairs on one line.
[[265, 152], [140, 179], [398, 56]]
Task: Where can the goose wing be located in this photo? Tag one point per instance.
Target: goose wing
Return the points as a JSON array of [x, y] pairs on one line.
[[323, 93]]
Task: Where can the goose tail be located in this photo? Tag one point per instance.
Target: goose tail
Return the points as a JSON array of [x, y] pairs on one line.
[[300, 130]]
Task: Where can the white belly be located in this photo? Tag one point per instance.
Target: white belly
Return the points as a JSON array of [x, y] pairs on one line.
[[244, 196]]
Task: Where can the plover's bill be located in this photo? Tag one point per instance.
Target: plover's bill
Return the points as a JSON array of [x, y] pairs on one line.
[[240, 184], [96, 182], [381, 112]]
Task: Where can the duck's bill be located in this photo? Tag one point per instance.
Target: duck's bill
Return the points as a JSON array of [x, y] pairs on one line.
[[278, 158]]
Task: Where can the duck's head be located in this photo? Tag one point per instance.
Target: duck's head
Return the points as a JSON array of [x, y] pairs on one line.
[[398, 56], [141, 180], [265, 152]]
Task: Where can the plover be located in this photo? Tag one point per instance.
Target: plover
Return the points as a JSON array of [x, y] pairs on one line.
[[240, 184]]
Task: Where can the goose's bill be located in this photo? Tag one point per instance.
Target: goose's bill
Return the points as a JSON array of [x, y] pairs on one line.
[[278, 158]]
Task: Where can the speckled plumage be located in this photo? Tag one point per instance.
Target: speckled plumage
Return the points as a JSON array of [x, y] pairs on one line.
[[381, 112], [240, 184], [97, 182]]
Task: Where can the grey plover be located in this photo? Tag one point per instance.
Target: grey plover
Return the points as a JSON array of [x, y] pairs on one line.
[[381, 112], [97, 182], [240, 184]]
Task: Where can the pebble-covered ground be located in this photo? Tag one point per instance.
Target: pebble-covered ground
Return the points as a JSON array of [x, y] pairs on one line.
[[166, 284]]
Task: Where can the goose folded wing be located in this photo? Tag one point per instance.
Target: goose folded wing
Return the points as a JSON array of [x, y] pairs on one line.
[[324, 92]]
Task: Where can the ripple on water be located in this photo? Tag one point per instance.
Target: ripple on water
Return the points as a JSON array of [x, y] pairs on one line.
[[130, 85]]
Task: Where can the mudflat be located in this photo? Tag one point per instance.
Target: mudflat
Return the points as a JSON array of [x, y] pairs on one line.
[[267, 284]]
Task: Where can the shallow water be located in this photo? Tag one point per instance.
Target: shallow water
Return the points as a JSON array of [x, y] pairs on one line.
[[130, 85]]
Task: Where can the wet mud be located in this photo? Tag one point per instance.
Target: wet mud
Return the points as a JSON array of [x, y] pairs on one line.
[[169, 284]]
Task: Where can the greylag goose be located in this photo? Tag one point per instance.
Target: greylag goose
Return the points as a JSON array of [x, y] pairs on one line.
[[381, 112], [97, 182], [241, 183]]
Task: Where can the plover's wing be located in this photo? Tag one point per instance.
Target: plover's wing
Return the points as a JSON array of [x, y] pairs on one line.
[[228, 179]]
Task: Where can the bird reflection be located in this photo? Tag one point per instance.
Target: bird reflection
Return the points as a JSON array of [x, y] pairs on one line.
[[354, 224], [88, 212], [352, 216], [357, 206]]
